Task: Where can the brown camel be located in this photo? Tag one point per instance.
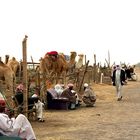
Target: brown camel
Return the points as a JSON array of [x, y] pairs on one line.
[[72, 62], [6, 59], [7, 84], [53, 65], [79, 64], [13, 64], [6, 75]]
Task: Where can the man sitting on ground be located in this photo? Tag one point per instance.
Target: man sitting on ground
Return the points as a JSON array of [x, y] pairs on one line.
[[89, 97], [39, 106], [17, 127], [77, 98], [33, 101], [59, 89], [71, 96]]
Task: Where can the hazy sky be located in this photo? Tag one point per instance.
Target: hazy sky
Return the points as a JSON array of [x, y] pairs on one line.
[[85, 26]]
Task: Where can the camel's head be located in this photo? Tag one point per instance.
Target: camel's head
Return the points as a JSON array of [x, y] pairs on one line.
[[73, 55], [81, 55], [13, 58]]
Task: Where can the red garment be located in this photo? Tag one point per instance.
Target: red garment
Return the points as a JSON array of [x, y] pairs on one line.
[[52, 53], [2, 101]]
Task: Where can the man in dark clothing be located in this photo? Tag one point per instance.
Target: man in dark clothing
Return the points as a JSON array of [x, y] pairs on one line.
[[67, 93], [118, 81]]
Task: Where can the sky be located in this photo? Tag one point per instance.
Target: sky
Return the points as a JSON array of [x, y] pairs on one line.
[[85, 26]]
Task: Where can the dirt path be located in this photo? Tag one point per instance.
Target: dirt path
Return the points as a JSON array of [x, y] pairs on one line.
[[109, 120]]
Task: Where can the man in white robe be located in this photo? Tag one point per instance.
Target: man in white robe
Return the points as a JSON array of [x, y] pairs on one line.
[[118, 80], [39, 106], [19, 126]]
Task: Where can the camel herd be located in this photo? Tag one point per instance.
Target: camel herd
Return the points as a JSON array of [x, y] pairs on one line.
[[52, 63], [8, 71]]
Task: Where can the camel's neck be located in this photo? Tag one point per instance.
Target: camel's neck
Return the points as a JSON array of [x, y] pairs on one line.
[[1, 63], [72, 60]]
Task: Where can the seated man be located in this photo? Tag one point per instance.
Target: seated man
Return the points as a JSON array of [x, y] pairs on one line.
[[89, 97], [39, 108], [53, 55], [17, 127], [67, 93], [33, 101], [59, 89], [77, 98]]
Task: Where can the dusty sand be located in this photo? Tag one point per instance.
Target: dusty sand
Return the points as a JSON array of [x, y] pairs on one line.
[[109, 120]]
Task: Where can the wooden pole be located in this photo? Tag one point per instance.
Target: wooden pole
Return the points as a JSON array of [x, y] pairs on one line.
[[108, 59], [83, 75], [33, 63], [38, 82], [20, 73], [85, 59], [92, 77], [107, 62], [25, 81], [94, 68], [44, 86]]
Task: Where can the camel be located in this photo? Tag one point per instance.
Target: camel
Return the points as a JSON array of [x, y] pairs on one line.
[[56, 64], [6, 59], [43, 68], [6, 75], [53, 65], [13, 64], [72, 62], [79, 64]]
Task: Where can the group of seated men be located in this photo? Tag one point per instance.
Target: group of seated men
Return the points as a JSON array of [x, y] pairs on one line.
[[33, 102], [68, 92], [89, 97], [20, 127]]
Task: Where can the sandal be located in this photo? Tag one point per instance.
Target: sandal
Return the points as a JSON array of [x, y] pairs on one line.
[[41, 120]]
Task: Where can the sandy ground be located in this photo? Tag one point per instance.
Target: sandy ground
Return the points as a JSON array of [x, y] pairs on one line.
[[108, 120]]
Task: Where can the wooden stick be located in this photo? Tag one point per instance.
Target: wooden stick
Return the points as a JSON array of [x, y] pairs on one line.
[[107, 62], [84, 75], [94, 67], [85, 59], [32, 62], [108, 59], [25, 81]]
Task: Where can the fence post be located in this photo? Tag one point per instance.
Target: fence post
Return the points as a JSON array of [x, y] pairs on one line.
[[25, 81], [94, 67], [83, 75]]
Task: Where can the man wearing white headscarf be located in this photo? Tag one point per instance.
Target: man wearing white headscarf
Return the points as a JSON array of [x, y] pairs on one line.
[[77, 98], [118, 81], [39, 109], [59, 89], [17, 127], [89, 97]]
